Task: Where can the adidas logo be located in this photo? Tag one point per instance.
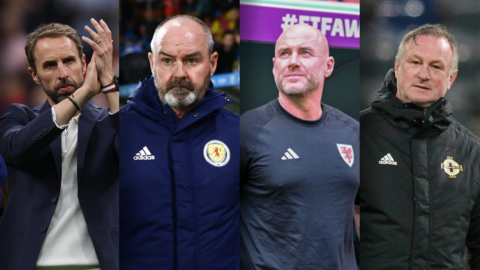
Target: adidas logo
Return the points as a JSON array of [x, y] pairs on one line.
[[144, 154], [387, 159], [290, 155]]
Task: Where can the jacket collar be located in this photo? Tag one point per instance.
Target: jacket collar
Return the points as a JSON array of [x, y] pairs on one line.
[[417, 121], [90, 115], [145, 101], [42, 107]]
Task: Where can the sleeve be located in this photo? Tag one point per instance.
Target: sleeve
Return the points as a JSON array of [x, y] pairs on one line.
[[24, 133], [245, 163], [247, 140], [115, 118], [115, 121], [54, 116], [3, 178], [473, 236], [357, 198]]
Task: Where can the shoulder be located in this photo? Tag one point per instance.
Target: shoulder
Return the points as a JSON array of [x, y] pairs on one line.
[[128, 112], [251, 122], [343, 119], [91, 112], [462, 132], [229, 116], [370, 117], [224, 120], [20, 111], [125, 109]]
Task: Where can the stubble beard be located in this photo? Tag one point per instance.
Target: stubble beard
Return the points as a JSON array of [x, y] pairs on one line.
[[181, 93], [297, 91], [56, 96]]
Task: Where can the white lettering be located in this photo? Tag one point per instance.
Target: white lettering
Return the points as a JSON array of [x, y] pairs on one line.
[[352, 29], [152, 157], [315, 20], [333, 26], [304, 19], [338, 28], [387, 162], [326, 25]]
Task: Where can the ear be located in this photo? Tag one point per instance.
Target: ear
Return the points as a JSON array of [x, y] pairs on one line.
[[213, 63], [397, 65], [84, 65], [452, 78], [150, 58], [273, 68], [329, 66], [34, 75]]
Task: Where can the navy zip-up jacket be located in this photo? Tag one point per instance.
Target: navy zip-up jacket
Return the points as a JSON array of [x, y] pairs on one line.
[[179, 184]]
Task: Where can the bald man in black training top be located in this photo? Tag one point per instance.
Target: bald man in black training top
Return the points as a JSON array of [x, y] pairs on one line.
[[299, 166]]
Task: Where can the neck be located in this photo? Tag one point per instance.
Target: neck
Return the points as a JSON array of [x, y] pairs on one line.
[[306, 107]]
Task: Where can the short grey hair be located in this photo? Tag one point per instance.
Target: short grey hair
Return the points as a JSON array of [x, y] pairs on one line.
[[206, 31], [436, 30]]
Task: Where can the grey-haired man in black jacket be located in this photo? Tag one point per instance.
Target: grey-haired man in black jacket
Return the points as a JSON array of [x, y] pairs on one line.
[[420, 173]]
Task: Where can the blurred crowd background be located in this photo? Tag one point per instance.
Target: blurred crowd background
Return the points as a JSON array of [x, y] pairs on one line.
[[384, 23], [382, 26], [139, 19], [20, 17], [132, 22]]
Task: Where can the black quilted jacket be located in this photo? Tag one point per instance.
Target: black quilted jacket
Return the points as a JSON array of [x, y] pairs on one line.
[[419, 186]]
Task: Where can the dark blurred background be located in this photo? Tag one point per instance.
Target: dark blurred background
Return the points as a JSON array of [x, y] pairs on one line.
[[19, 17], [140, 18], [384, 23]]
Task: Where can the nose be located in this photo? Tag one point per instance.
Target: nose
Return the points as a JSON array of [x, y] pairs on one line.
[[179, 71], [62, 72], [423, 73], [294, 63]]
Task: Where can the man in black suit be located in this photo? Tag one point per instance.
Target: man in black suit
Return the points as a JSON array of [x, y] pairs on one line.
[[62, 157]]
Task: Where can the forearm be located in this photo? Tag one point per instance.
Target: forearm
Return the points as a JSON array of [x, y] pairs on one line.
[[66, 109], [113, 101], [356, 218]]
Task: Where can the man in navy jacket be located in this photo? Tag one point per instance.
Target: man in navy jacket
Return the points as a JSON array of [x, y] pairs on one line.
[[62, 159], [179, 162]]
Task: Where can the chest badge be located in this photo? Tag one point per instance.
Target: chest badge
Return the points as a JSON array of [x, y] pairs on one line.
[[346, 152], [451, 167], [216, 153]]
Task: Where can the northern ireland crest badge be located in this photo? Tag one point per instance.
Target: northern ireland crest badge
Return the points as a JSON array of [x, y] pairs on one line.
[[346, 152], [451, 167], [216, 153]]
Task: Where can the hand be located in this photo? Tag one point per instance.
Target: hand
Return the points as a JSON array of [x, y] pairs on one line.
[[103, 50], [92, 84]]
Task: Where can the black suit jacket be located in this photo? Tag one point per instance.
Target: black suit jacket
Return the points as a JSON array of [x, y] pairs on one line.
[[30, 143]]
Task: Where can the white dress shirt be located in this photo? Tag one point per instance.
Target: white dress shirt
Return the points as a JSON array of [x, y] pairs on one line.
[[68, 242]]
